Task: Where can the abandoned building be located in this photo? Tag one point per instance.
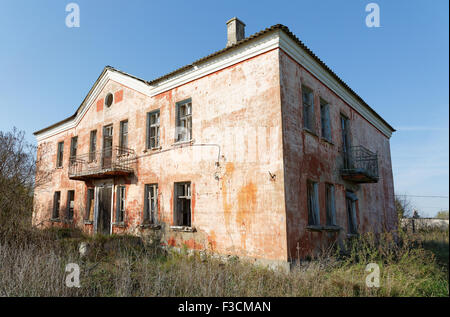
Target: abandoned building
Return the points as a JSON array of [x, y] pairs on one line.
[[258, 150]]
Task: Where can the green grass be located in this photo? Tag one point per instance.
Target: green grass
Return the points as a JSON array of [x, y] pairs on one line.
[[33, 264]]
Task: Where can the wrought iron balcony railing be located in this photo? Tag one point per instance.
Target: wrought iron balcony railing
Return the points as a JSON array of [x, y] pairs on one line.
[[360, 165], [107, 162]]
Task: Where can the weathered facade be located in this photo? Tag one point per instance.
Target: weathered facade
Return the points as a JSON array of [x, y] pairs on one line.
[[258, 150]]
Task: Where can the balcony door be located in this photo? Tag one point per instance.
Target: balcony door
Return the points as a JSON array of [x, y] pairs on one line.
[[346, 143], [107, 146]]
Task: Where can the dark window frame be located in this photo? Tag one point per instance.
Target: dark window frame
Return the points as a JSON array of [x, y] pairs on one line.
[[153, 127], [309, 121], [330, 204], [312, 194], [123, 136], [73, 149], [325, 120], [56, 204], [183, 201], [151, 203], [70, 209], [90, 203], [183, 133], [92, 145], [121, 203], [60, 154], [351, 206]]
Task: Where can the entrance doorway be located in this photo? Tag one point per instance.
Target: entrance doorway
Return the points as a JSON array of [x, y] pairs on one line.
[[103, 220]]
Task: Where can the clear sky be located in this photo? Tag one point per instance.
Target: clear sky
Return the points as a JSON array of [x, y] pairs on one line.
[[401, 68]]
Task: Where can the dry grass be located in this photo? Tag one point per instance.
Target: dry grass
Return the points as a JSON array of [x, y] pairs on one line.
[[33, 264]]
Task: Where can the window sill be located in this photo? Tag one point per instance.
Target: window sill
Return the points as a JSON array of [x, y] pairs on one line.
[[308, 131], [55, 220], [152, 226], [332, 228], [183, 142], [154, 149], [119, 224], [88, 222], [314, 228], [352, 235], [68, 221], [183, 228], [327, 141]]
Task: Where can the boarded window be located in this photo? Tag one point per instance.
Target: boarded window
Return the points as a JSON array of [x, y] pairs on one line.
[[120, 205], [325, 120], [73, 149], [70, 204], [123, 134], [351, 212], [184, 121], [182, 216], [92, 145], [153, 130], [308, 108], [90, 205], [151, 203], [60, 154], [313, 203], [56, 205], [330, 204]]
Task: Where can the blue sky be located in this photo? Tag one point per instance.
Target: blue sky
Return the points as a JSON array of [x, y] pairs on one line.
[[400, 69]]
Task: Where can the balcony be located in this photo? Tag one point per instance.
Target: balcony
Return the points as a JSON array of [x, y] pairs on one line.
[[360, 165], [113, 161]]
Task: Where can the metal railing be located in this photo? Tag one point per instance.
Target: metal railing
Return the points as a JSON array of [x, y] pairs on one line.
[[108, 160], [360, 161]]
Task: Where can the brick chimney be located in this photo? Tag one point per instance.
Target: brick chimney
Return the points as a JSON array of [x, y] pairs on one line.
[[235, 31]]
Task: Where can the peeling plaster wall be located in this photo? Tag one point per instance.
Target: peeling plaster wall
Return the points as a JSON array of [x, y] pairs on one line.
[[308, 156], [237, 207]]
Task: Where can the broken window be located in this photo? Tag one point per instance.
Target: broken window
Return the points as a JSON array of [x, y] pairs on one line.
[[120, 206], [92, 145], [70, 204], [60, 154], [351, 199], [123, 141], [330, 204], [325, 120], [182, 215], [89, 216], [153, 129], [184, 121], [73, 149], [308, 108], [151, 203], [313, 203], [56, 204]]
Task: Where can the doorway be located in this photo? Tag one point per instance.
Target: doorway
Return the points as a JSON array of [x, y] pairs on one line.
[[103, 219]]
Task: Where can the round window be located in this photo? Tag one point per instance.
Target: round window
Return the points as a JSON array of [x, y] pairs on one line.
[[109, 100]]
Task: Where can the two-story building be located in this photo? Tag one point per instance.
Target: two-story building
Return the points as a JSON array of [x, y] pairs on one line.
[[258, 150]]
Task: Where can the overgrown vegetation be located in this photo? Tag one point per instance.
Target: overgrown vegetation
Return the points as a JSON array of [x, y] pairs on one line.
[[33, 262], [34, 265]]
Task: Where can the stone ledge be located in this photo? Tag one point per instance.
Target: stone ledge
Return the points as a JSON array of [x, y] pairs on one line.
[[150, 226], [182, 229]]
